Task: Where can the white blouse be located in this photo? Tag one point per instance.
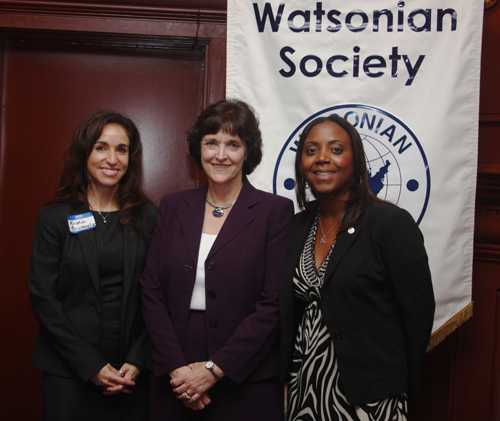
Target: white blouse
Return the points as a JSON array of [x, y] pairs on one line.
[[198, 299]]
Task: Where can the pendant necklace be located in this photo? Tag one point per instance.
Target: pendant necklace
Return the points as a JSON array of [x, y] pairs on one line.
[[218, 210], [324, 235], [104, 217]]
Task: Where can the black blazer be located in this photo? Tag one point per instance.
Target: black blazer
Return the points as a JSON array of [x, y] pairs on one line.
[[377, 301], [64, 287]]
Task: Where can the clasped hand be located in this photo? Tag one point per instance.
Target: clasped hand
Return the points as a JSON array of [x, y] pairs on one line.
[[115, 381], [190, 384]]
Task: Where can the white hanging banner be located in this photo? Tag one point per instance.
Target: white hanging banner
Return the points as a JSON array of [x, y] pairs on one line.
[[406, 75]]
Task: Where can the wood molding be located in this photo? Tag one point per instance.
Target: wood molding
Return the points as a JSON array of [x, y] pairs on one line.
[[489, 118], [157, 30], [496, 362], [488, 186], [3, 248], [112, 18], [215, 60], [487, 230], [487, 252], [148, 45], [114, 10]]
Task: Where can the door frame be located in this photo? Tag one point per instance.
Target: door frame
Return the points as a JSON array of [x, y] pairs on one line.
[[132, 26], [158, 30]]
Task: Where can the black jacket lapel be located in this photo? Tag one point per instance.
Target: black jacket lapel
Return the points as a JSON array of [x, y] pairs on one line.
[[345, 240]]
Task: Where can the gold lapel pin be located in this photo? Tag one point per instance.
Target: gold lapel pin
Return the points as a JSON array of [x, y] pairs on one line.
[[351, 230]]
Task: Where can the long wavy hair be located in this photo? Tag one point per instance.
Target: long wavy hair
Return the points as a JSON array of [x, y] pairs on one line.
[[360, 192], [74, 180]]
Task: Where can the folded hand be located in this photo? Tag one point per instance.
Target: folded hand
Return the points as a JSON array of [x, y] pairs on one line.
[[111, 380], [193, 384], [127, 371], [199, 404]]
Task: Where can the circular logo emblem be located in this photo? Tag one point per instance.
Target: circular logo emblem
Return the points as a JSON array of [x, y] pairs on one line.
[[397, 166]]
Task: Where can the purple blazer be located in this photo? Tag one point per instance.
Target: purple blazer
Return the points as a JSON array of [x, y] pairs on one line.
[[243, 271]]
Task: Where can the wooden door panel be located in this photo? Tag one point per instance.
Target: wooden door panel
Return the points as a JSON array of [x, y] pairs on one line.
[[55, 90], [489, 133], [490, 63], [474, 365], [496, 369], [46, 93]]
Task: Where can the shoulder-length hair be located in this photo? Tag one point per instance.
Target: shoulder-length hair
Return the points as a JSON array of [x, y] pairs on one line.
[[74, 180], [360, 192], [235, 118]]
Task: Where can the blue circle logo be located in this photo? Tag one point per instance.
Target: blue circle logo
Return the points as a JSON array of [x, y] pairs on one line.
[[398, 170]]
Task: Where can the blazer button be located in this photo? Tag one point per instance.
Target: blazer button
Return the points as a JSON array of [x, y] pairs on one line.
[[210, 265], [188, 267]]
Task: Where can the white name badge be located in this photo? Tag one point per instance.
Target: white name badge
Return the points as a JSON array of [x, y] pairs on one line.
[[81, 222]]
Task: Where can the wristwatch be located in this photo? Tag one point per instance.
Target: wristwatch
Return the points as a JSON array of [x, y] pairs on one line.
[[210, 366]]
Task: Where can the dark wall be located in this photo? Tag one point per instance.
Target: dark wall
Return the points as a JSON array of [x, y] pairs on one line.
[[462, 375]]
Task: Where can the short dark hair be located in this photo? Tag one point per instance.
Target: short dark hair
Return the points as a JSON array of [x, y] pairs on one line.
[[234, 117], [360, 192], [74, 180]]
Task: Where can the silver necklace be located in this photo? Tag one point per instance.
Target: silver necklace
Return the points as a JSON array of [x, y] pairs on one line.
[[218, 210], [104, 219], [324, 235]]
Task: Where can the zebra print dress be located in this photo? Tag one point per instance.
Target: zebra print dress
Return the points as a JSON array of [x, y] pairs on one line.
[[313, 391]]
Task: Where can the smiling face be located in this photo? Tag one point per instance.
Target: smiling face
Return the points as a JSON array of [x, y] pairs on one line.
[[108, 161], [222, 157], [327, 160]]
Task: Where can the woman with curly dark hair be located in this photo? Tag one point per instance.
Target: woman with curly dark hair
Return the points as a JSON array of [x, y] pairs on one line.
[[212, 278], [89, 249]]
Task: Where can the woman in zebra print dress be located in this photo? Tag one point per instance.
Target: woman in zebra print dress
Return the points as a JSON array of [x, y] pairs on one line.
[[358, 311]]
